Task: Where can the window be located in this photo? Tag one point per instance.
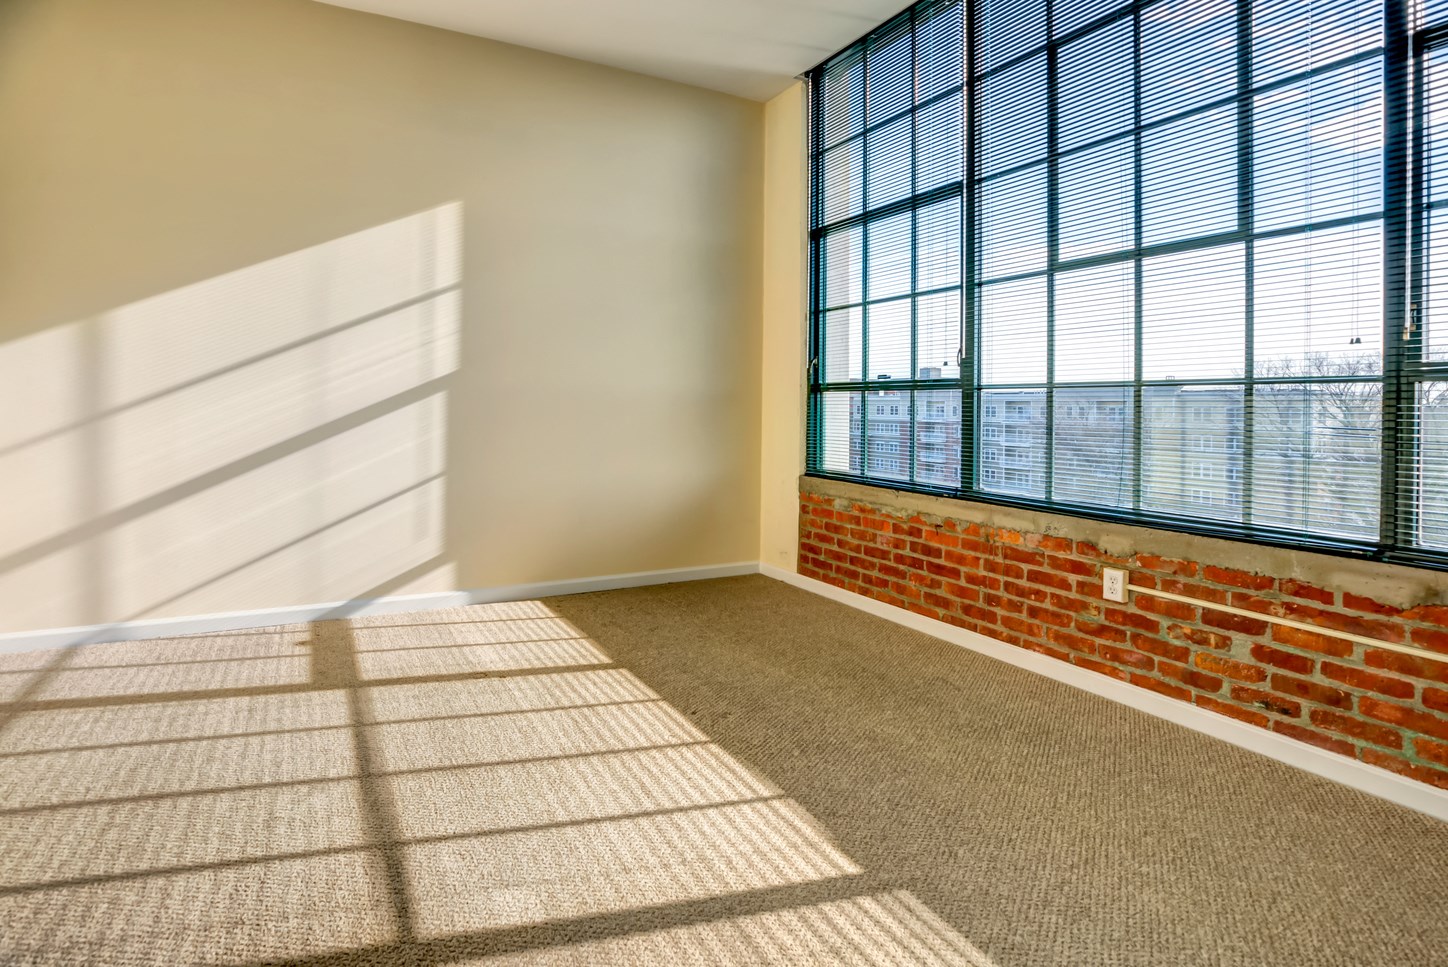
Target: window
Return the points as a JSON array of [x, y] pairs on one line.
[[1142, 230]]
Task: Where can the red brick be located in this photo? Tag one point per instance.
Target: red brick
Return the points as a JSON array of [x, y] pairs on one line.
[[1075, 642], [1356, 602], [1232, 711], [1200, 636], [1099, 667], [1069, 565], [942, 538], [1432, 638], [1312, 691], [1313, 737], [1004, 569], [1130, 619], [1386, 760], [1436, 752], [1125, 656], [1190, 676], [1266, 700], [1046, 616], [1238, 579], [1030, 629], [1162, 649], [1152, 562], [1055, 653], [1047, 579], [1357, 728], [1352, 624], [1432, 614], [1160, 687], [1199, 591], [1368, 681], [962, 559], [1407, 664], [1436, 699], [1067, 603], [1170, 609], [943, 570], [1311, 641], [927, 550], [1282, 659], [1095, 553], [1006, 536], [1401, 715], [1301, 589], [1106, 632], [1021, 556], [1233, 622], [1229, 668], [1048, 542], [1089, 589]]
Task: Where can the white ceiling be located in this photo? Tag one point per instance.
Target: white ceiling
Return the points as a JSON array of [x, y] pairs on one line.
[[752, 48]]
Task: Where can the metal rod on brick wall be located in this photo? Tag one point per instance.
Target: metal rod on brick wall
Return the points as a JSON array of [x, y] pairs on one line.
[[1291, 623]]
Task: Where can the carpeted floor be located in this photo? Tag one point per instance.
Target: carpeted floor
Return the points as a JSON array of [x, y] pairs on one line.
[[726, 772]]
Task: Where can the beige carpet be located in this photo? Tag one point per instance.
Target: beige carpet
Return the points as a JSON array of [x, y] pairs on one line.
[[728, 772]]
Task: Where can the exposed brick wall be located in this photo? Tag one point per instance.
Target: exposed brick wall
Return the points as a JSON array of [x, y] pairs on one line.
[[1043, 593]]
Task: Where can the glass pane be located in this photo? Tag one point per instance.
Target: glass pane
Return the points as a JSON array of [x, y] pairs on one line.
[[1193, 314], [937, 437], [842, 90], [1435, 289], [937, 328], [843, 257], [887, 425], [1013, 442], [1189, 177], [1432, 465], [889, 84], [888, 271], [1013, 116], [1070, 14], [1291, 36], [838, 447], [1435, 122], [1013, 224], [1095, 87], [1191, 451], [940, 65], [1316, 458], [888, 154], [1188, 55], [1092, 460], [1096, 212], [1318, 148], [888, 328], [842, 193], [1317, 303], [937, 246], [939, 140], [1095, 324], [844, 347], [1012, 343], [1005, 29]]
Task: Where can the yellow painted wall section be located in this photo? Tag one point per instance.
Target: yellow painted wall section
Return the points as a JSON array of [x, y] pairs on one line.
[[299, 304], [782, 437]]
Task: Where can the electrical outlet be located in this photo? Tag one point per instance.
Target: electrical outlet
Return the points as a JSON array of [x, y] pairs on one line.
[[1113, 580]]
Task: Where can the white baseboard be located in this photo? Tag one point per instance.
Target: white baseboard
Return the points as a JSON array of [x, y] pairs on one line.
[[1329, 765], [241, 620]]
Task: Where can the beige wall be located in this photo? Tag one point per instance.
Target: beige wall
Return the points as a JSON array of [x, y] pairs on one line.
[[782, 440], [299, 304]]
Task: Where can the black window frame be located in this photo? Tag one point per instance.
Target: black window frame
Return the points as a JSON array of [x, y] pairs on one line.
[[1403, 218]]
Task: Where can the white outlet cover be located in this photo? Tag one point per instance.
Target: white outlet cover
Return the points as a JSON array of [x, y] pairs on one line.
[[1113, 584]]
